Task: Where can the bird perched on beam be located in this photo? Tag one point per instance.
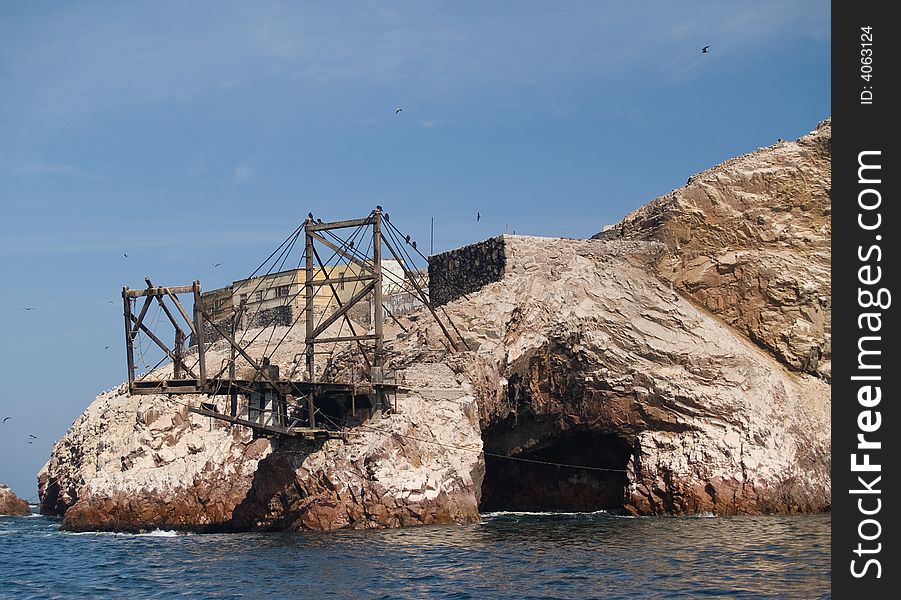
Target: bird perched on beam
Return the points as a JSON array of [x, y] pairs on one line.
[[413, 243], [310, 216]]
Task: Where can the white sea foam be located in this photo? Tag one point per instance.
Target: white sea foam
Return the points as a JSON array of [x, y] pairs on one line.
[[156, 533]]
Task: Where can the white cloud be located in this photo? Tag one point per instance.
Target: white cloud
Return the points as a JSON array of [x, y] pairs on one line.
[[243, 173]]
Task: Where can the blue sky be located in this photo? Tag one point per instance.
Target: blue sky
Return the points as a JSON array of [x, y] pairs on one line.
[[192, 133]]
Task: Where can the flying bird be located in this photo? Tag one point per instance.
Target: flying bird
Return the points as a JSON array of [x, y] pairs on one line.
[[704, 49], [27, 308], [7, 419], [478, 216], [106, 347], [125, 254], [215, 264], [34, 437], [397, 110]]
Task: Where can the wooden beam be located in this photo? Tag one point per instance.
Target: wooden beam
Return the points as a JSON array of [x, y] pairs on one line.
[[308, 304], [340, 224], [147, 301], [378, 314], [183, 312], [160, 291], [345, 338], [198, 330], [129, 338], [340, 312]]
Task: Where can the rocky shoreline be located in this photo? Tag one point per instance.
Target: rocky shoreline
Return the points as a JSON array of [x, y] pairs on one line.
[[671, 367]]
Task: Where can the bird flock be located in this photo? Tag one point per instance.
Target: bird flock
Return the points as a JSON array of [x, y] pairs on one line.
[[31, 436]]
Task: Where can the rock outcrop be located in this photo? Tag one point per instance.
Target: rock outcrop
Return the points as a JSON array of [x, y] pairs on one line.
[[10, 504], [133, 463], [581, 356], [661, 372], [749, 240]]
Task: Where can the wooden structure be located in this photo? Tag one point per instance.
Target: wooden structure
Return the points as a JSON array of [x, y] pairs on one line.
[[287, 406]]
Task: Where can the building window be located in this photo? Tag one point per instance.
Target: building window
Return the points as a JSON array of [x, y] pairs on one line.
[[259, 296], [281, 291]]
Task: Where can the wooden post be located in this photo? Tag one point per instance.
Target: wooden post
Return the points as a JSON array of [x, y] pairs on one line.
[[311, 409], [179, 355], [198, 329], [129, 338], [308, 305], [233, 391], [378, 311]]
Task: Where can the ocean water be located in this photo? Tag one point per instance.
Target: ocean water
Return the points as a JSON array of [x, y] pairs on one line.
[[507, 555]]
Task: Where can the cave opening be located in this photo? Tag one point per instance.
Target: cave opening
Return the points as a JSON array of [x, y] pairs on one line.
[[519, 485]]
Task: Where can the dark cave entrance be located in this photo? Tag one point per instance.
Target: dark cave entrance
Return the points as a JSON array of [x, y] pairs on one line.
[[514, 485]]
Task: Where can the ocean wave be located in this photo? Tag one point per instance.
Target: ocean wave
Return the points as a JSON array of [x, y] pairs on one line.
[[154, 533]]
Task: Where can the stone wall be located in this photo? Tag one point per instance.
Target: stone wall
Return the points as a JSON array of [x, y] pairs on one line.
[[465, 270]]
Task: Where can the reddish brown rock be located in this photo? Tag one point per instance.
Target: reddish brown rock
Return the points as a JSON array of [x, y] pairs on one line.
[[10, 504]]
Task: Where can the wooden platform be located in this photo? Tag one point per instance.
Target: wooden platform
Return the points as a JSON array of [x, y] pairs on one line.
[[223, 387]]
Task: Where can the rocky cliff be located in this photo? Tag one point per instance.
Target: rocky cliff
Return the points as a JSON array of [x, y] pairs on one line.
[[749, 240], [598, 374], [10, 504]]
